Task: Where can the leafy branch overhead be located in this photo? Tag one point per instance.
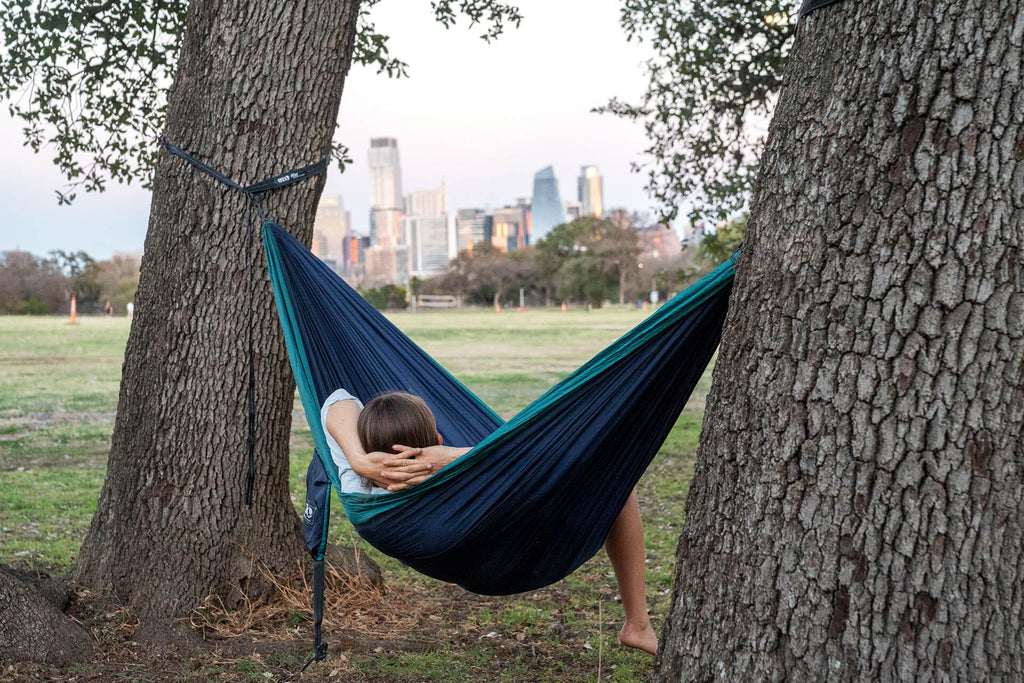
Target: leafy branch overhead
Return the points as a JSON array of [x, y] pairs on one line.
[[712, 85], [89, 80]]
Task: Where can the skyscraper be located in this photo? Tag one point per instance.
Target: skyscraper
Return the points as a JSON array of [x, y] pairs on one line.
[[427, 239], [425, 231], [331, 227], [473, 227], [591, 191], [385, 192], [427, 202], [511, 229], [547, 207]]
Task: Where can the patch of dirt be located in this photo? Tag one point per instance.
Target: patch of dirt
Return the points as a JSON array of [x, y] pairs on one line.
[[274, 641]]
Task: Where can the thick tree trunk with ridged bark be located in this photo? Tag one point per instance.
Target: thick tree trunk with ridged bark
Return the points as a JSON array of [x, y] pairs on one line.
[[257, 93], [857, 512]]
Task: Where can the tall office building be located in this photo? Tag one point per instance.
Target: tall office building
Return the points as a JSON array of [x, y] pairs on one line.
[[427, 239], [386, 265], [472, 227], [511, 229], [425, 231], [385, 192], [546, 206], [330, 230], [427, 202], [591, 191]]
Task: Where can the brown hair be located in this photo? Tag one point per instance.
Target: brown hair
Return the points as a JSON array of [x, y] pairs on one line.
[[396, 418]]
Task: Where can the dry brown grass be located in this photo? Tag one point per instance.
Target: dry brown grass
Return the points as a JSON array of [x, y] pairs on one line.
[[352, 605]]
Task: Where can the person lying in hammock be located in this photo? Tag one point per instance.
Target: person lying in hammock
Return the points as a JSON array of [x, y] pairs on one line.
[[364, 443]]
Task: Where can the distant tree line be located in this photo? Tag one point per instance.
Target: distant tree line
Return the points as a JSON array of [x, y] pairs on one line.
[[34, 285], [588, 261]]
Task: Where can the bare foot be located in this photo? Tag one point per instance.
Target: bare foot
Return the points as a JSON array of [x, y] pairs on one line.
[[640, 637]]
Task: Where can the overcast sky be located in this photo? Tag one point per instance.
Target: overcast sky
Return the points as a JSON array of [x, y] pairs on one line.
[[482, 117]]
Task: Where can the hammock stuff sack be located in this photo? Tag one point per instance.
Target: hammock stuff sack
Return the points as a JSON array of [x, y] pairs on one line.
[[536, 496]]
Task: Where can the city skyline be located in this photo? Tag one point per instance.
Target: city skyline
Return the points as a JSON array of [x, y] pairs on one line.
[[443, 114]]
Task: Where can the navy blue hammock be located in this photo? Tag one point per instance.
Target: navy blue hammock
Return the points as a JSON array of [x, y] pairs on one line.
[[536, 496]]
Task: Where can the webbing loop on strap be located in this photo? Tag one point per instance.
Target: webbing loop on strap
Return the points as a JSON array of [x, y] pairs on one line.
[[251, 193], [293, 176], [319, 648]]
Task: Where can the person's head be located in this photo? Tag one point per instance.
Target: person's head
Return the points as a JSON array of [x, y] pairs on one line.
[[396, 418]]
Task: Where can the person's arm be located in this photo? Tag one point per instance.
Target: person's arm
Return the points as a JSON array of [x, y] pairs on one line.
[[341, 423], [408, 469]]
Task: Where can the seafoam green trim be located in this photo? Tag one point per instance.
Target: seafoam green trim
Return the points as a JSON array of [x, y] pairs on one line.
[[297, 354], [362, 507]]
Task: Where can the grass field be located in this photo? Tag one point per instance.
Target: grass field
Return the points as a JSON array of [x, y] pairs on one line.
[[58, 394]]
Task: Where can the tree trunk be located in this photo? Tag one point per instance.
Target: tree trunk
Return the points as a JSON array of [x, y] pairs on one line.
[[32, 628], [857, 510], [257, 93]]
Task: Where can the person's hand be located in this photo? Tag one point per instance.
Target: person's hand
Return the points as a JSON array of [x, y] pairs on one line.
[[414, 465], [405, 470]]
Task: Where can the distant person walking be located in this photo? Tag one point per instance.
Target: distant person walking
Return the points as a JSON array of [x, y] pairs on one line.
[[131, 309], [108, 309]]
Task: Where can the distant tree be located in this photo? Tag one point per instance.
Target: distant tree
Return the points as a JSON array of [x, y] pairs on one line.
[[386, 297], [583, 279], [721, 244], [550, 254], [30, 285], [594, 258], [118, 281], [456, 280], [82, 273], [712, 85], [617, 245]]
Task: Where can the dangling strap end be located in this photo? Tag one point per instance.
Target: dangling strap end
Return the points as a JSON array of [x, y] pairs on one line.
[[319, 647]]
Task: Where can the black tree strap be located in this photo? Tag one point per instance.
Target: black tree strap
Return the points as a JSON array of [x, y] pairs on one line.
[[250, 192], [319, 648], [811, 5], [250, 392]]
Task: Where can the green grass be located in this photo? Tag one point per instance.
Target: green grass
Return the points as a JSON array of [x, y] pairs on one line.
[[58, 394]]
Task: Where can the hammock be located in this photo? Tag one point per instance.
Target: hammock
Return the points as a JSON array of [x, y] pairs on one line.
[[536, 496]]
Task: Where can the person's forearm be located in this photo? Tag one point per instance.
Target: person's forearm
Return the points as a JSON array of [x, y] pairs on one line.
[[341, 423]]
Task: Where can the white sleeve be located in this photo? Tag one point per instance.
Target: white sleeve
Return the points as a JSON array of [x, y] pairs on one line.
[[350, 481]]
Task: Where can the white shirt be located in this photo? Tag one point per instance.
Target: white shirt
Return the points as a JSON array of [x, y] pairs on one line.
[[350, 481]]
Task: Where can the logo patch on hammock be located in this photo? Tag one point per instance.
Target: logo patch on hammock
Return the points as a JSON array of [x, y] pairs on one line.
[[307, 517]]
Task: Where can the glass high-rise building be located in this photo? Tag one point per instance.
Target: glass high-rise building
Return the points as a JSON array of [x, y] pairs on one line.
[[385, 192], [591, 191], [331, 227], [427, 239], [427, 202], [512, 226], [473, 227], [547, 208]]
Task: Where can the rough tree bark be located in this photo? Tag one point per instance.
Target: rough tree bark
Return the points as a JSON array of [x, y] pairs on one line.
[[33, 626], [857, 511], [257, 93]]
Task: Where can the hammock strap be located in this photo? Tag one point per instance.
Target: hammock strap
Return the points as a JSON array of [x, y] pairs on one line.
[[251, 193], [250, 391], [319, 647]]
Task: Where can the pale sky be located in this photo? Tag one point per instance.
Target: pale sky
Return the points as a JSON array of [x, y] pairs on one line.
[[482, 117]]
